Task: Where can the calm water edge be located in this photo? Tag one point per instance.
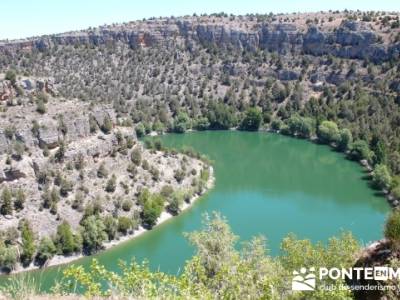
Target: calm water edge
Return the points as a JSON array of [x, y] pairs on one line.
[[266, 184]]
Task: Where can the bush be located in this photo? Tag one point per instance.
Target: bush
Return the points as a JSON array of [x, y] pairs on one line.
[[136, 156], [12, 76], [202, 124], [102, 171], [140, 130], [127, 205], [175, 203], [381, 177], [276, 124], [179, 175], [41, 106], [64, 240], [359, 150], [111, 184], [392, 227], [345, 139], [8, 257], [46, 251], [328, 132], [28, 243], [299, 126], [107, 125], [396, 192], [111, 227], [20, 198], [93, 234], [252, 119], [6, 202], [182, 123], [124, 224], [221, 116], [153, 205]]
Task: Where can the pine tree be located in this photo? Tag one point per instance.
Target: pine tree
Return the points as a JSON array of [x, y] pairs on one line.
[[28, 243], [6, 202], [64, 240], [19, 200]]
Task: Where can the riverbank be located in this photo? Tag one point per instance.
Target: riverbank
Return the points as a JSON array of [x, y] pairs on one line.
[[390, 197], [61, 260]]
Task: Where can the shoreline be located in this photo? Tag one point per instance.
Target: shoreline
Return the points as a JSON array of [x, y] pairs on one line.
[[58, 260]]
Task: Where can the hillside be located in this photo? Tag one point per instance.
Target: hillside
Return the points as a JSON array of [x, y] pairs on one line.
[[74, 104]]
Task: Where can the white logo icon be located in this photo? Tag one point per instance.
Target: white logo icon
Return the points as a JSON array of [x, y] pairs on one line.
[[303, 280]]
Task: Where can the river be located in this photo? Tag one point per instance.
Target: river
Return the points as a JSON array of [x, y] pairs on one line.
[[265, 184]]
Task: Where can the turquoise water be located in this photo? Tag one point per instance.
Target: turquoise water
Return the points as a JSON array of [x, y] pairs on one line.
[[265, 184]]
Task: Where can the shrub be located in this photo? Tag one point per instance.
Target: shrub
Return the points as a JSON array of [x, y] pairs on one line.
[[359, 150], [12, 76], [28, 243], [19, 201], [392, 227], [111, 227], [381, 177], [140, 130], [345, 139], [41, 106], [153, 205], [102, 171], [107, 125], [6, 202], [252, 119], [111, 184], [64, 240], [124, 224], [175, 203], [127, 205], [328, 132], [136, 156], [182, 123], [46, 251], [93, 234], [179, 175]]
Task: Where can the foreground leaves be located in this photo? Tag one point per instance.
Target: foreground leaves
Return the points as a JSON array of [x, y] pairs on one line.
[[219, 270]]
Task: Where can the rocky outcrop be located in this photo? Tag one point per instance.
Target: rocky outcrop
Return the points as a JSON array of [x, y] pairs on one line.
[[67, 121], [350, 40]]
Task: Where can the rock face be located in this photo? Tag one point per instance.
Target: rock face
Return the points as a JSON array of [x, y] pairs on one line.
[[352, 39]]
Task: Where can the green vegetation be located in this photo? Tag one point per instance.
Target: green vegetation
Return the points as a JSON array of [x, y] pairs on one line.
[[252, 119], [392, 227], [221, 116], [328, 132], [107, 125], [345, 140], [220, 271], [93, 234], [28, 243], [299, 126], [12, 76], [111, 184], [359, 150], [6, 207], [152, 206], [181, 123], [46, 250], [381, 177], [65, 240]]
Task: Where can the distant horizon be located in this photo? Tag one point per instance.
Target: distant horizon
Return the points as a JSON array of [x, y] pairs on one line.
[[27, 19], [188, 15]]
